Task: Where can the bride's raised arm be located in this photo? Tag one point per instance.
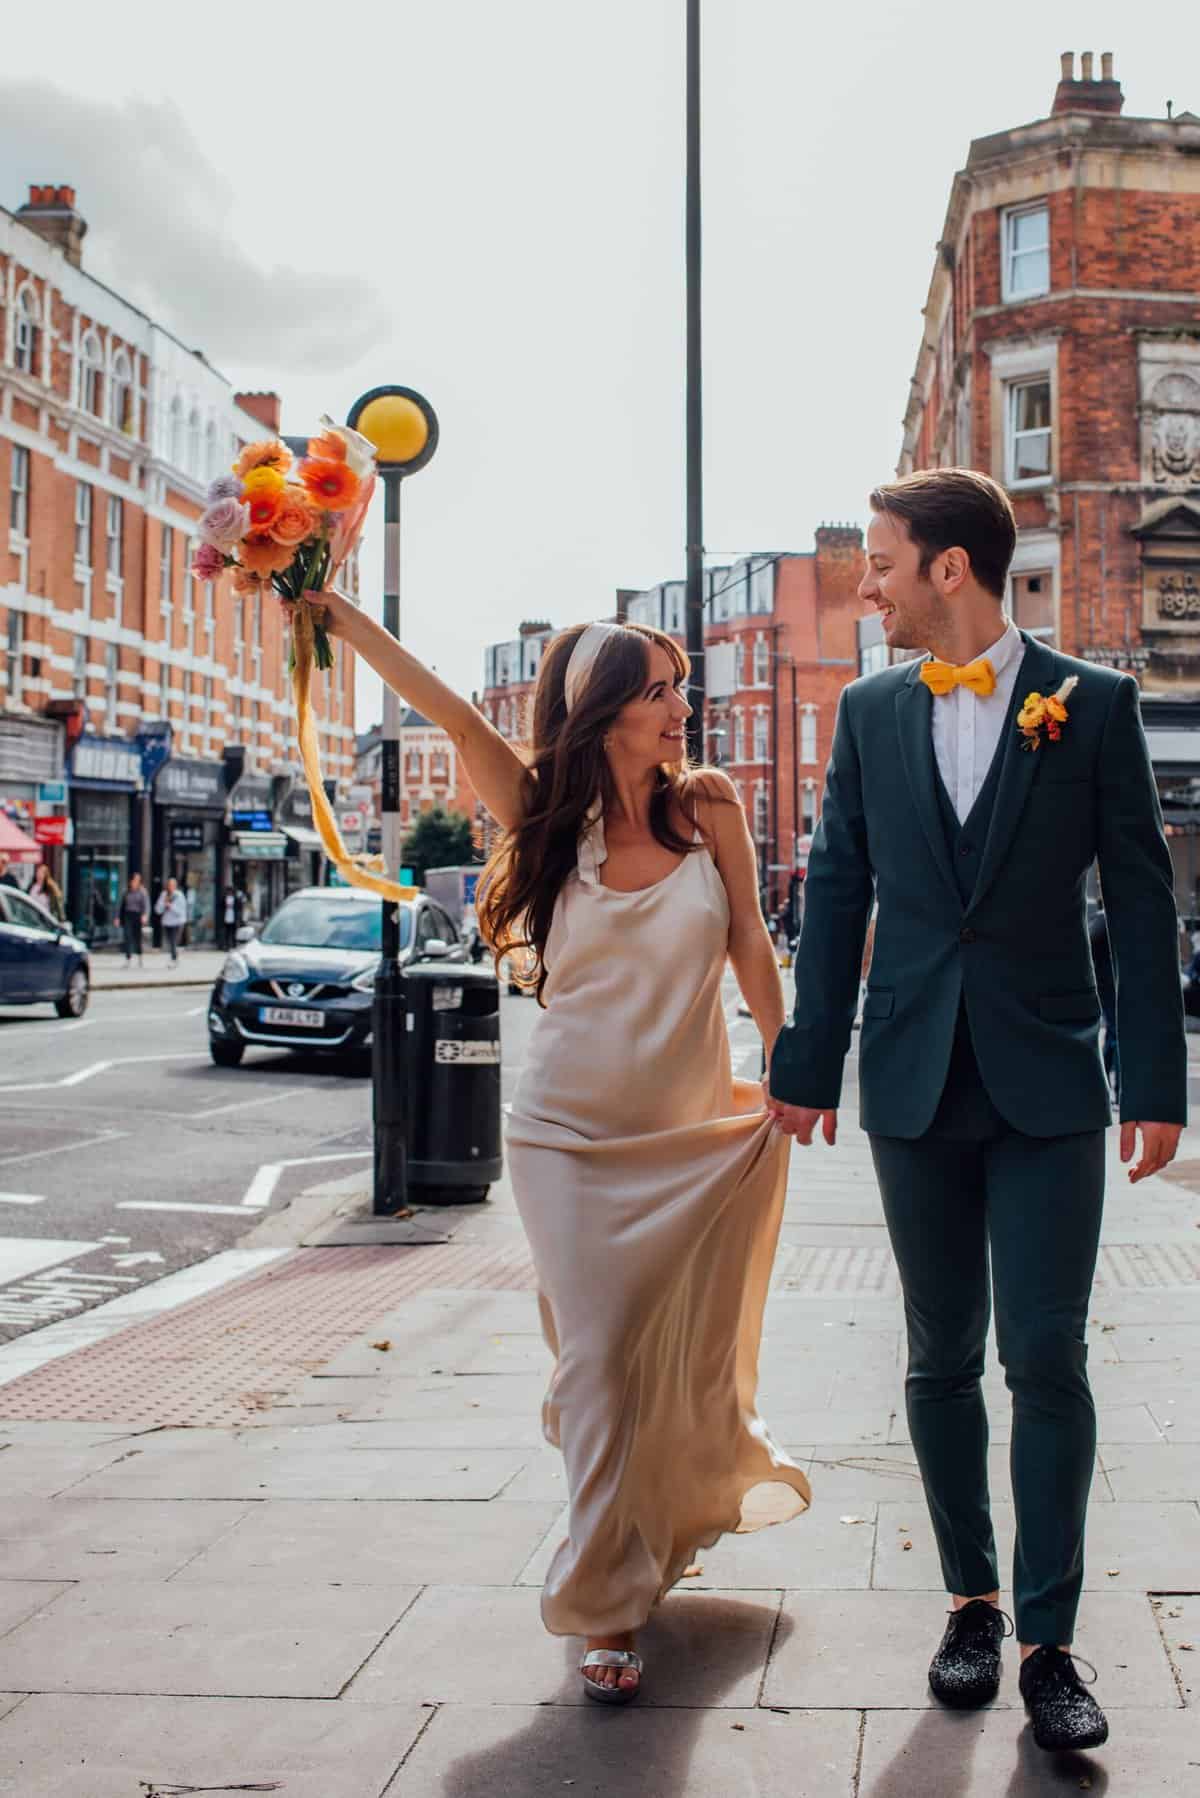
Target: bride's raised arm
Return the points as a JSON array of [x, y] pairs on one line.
[[493, 767]]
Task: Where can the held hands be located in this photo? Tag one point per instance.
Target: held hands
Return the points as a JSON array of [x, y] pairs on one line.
[[1159, 1143]]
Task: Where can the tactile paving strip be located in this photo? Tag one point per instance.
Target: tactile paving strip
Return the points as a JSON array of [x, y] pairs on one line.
[[1122, 1267], [225, 1355]]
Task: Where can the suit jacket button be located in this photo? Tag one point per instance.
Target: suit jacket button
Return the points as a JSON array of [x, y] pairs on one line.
[[966, 935]]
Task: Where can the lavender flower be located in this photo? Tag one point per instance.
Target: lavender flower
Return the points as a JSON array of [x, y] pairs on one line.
[[226, 486]]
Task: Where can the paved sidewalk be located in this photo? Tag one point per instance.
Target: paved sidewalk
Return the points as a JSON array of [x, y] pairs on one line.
[[332, 1592], [195, 967]]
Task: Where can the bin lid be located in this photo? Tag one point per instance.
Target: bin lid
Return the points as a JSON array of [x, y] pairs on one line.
[[451, 973]]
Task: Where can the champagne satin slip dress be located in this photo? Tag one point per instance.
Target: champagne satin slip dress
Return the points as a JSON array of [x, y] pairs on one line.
[[651, 1188]]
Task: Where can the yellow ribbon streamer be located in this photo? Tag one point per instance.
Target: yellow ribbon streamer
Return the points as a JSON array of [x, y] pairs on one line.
[[368, 871]]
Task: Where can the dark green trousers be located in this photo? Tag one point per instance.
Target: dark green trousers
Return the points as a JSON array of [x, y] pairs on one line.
[[969, 1191]]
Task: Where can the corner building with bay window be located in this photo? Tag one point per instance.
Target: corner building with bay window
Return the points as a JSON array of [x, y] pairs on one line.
[[124, 683], [1061, 355]]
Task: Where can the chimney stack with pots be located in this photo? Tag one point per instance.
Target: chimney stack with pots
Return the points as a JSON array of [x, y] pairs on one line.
[[50, 211], [1087, 94]]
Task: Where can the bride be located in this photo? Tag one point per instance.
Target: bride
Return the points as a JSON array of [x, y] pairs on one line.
[[649, 1181]]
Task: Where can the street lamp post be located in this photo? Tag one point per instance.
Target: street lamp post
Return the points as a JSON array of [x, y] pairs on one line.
[[403, 428]]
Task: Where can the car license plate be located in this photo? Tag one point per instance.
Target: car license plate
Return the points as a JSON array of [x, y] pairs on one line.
[[284, 1014]]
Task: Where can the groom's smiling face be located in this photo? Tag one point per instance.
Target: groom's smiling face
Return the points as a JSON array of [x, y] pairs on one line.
[[911, 605]]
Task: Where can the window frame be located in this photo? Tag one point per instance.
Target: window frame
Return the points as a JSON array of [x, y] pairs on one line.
[[83, 525], [79, 666], [761, 737], [18, 492], [27, 331], [1014, 388], [1047, 634], [14, 654], [114, 509], [1009, 219], [120, 394], [91, 375], [807, 735], [112, 686]]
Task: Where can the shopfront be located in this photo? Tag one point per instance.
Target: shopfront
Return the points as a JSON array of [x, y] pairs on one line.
[[257, 849], [31, 783], [305, 864], [104, 777], [189, 805]]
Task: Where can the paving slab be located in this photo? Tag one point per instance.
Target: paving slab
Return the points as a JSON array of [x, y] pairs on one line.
[[463, 1645], [871, 1651], [22, 1599], [396, 1544], [1178, 1417], [511, 1751], [96, 1538], [1178, 1618], [992, 1754], [33, 1469], [302, 1468], [212, 1640], [459, 1426], [81, 1746], [1139, 1547], [1157, 1341], [1155, 1473], [500, 1395], [1115, 1423]]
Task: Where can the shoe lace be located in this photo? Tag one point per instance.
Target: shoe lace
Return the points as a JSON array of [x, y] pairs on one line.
[[1064, 1665], [966, 1618]]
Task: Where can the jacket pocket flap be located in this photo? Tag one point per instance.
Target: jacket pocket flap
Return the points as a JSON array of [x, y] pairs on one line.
[[878, 1003], [1064, 1007]]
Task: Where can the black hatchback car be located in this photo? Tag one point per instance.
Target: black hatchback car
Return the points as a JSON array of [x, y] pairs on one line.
[[307, 981], [41, 962]]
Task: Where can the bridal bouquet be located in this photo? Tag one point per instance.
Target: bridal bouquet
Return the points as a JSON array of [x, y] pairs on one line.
[[289, 525]]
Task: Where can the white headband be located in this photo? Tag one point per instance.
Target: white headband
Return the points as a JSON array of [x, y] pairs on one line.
[[587, 647]]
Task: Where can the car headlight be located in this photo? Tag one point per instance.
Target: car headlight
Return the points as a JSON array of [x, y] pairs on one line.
[[365, 982], [234, 968]]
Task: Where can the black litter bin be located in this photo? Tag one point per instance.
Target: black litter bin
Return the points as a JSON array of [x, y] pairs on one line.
[[454, 1151]]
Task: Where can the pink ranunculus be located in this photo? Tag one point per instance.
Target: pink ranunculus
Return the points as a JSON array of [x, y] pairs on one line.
[[225, 524], [208, 562]]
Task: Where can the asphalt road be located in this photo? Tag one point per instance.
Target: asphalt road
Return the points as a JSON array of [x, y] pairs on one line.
[[126, 1154]]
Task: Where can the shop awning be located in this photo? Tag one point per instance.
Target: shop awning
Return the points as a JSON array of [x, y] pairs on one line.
[[16, 845], [260, 845], [302, 836]]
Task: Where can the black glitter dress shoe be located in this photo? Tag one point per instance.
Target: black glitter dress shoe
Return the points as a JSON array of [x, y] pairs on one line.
[[1062, 1710], [965, 1671]]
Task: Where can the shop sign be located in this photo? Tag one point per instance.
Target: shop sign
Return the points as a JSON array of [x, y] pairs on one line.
[[187, 836], [253, 793], [262, 849], [190, 783], [252, 820], [52, 792], [49, 827], [99, 758]]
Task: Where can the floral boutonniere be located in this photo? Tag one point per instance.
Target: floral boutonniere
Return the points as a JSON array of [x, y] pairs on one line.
[[1041, 718]]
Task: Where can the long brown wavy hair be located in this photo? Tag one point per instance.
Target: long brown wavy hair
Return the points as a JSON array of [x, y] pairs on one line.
[[568, 770]]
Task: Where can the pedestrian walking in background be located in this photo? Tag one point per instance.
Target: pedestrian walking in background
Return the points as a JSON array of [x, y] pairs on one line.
[[172, 908], [1106, 986], [135, 909], [7, 877], [47, 892], [232, 907]]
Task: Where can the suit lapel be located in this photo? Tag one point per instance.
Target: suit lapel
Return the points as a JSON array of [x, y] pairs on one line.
[[1038, 673], [913, 705]]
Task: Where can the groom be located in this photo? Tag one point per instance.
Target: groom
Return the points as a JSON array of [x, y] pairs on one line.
[[972, 814]]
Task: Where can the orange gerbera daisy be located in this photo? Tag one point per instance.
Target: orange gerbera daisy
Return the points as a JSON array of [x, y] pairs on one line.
[[261, 555], [331, 485], [264, 508], [328, 447], [269, 453]]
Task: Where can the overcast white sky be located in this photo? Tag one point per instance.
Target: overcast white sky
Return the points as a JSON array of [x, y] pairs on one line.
[[485, 202]]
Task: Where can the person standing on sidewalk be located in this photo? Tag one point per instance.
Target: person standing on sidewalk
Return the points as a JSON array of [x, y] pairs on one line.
[[969, 793], [232, 907], [47, 892], [649, 1181], [135, 909], [172, 909]]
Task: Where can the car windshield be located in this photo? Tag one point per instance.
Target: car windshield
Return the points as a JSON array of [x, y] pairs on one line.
[[332, 923]]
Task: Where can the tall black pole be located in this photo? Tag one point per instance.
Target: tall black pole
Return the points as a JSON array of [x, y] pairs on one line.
[[694, 609], [390, 1089]]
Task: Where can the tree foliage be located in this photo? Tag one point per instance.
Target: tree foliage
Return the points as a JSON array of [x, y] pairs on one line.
[[438, 839]]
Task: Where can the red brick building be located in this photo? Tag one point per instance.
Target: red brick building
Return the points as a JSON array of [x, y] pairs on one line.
[[151, 714], [431, 774], [1061, 354], [782, 639]]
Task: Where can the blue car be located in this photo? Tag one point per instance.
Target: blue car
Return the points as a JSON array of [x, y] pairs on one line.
[[308, 981], [40, 961]]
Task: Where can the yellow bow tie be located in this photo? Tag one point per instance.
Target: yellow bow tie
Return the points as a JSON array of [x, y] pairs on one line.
[[942, 677]]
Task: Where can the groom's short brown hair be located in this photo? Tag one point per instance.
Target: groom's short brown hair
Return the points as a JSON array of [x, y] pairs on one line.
[[955, 508]]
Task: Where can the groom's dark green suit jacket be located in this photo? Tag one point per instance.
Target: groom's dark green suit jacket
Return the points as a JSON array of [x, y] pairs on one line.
[[1015, 953]]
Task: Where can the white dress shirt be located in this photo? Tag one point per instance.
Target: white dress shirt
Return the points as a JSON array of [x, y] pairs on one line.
[[967, 729]]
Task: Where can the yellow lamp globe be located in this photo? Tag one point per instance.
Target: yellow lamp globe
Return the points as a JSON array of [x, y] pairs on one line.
[[396, 426]]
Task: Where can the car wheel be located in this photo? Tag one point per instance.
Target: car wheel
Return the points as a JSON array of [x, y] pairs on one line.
[[226, 1055], [74, 1001]]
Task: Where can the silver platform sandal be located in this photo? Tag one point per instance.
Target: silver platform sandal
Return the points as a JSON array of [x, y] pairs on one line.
[[611, 1657]]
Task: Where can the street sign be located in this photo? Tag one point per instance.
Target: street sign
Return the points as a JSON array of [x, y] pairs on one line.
[[351, 821], [49, 828]]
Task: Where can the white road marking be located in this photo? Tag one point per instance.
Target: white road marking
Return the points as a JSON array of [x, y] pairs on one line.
[[30, 1254], [151, 1255], [79, 1024], [238, 1105], [89, 1073], [66, 1148], [195, 1011], [263, 1185], [166, 1205], [22, 1198]]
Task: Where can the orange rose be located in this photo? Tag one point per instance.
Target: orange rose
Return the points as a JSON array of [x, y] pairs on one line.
[[331, 485], [269, 453], [294, 521], [262, 556]]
